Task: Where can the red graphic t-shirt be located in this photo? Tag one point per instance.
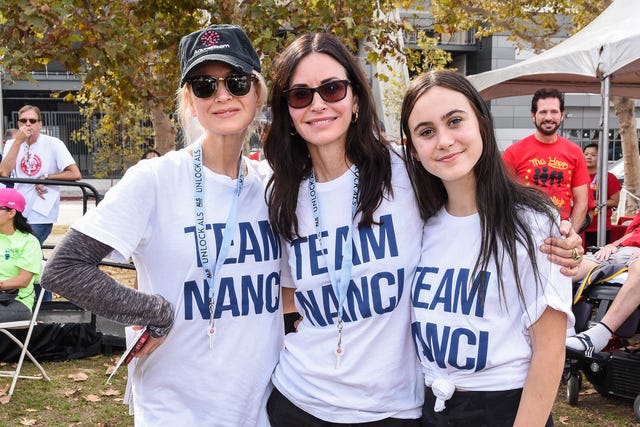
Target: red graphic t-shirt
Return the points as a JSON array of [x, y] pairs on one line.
[[555, 168]]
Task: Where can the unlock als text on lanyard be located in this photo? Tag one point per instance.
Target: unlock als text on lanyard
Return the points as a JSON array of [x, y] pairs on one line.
[[211, 275], [339, 285]]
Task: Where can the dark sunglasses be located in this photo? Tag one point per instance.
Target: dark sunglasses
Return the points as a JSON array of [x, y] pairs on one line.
[[32, 121], [333, 91], [205, 86]]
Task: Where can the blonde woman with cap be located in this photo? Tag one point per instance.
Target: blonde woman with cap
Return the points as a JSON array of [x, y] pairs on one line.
[[21, 258], [196, 225]]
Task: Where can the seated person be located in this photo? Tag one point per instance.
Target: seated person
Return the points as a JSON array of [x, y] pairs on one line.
[[22, 259], [613, 196], [625, 250]]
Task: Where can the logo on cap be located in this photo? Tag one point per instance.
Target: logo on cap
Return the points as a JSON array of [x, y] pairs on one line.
[[209, 38]]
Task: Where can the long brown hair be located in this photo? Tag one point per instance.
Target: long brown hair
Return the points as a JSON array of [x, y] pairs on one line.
[[288, 154], [500, 199]]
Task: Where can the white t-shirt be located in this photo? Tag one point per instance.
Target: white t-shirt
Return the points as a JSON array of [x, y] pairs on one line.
[[480, 348], [379, 374], [149, 215], [48, 155]]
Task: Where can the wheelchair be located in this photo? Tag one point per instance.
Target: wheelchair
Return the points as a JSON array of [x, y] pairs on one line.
[[615, 371]]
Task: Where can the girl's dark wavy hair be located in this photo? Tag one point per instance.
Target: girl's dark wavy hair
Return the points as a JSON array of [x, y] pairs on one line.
[[21, 224], [500, 199], [288, 155]]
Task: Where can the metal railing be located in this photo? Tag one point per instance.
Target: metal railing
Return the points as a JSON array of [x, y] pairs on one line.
[[61, 311], [88, 192], [87, 189]]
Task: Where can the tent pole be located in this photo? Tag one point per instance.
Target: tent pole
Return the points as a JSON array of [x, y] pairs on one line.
[[603, 164], [1, 110]]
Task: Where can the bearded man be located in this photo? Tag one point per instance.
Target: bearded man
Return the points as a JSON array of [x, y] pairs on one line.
[[551, 162]]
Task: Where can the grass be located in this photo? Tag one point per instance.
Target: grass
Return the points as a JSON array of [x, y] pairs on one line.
[[77, 396], [593, 410]]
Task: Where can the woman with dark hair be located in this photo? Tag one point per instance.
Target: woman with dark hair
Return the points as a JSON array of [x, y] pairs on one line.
[[490, 311], [342, 201], [22, 262]]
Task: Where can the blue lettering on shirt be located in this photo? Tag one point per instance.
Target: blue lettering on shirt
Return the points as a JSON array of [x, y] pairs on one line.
[[376, 294], [246, 295], [450, 291], [367, 246], [460, 348], [253, 295], [256, 246], [453, 293]]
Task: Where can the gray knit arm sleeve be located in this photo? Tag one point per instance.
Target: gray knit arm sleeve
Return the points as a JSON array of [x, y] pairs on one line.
[[72, 272]]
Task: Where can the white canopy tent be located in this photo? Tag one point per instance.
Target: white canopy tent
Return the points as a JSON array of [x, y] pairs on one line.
[[603, 57]]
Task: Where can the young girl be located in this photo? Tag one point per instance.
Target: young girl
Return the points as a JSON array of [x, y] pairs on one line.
[[490, 312]]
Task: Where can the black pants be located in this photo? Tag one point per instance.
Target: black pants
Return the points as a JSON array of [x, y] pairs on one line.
[[474, 409], [283, 413]]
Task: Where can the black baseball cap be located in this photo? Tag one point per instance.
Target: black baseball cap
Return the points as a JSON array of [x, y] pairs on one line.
[[224, 43]]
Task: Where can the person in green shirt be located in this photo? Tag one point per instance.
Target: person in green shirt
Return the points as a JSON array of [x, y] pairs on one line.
[[20, 258]]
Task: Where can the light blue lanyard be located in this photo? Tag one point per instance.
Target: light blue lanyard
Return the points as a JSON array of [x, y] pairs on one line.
[[201, 227], [339, 286]]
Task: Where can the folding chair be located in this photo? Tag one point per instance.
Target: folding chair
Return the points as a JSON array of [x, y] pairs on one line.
[[23, 324]]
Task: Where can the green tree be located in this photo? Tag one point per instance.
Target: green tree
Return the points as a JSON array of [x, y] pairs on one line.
[[535, 24], [427, 56], [125, 52]]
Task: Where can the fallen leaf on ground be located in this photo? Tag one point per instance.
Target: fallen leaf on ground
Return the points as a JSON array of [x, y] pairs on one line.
[[79, 376], [92, 398], [4, 400], [110, 392], [27, 422], [563, 420], [71, 392]]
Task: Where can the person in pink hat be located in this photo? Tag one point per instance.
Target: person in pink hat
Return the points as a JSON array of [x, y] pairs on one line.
[[21, 258]]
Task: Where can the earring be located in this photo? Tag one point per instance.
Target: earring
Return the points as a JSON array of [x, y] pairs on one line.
[[293, 131], [354, 117]]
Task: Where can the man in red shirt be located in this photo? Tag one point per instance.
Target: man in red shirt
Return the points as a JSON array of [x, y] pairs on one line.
[[625, 250], [551, 162]]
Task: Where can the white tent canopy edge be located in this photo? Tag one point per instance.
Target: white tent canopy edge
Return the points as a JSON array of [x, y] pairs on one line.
[[603, 57]]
